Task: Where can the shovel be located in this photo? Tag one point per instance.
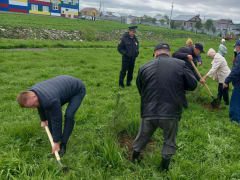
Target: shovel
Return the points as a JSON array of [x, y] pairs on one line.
[[215, 102], [64, 169], [51, 141]]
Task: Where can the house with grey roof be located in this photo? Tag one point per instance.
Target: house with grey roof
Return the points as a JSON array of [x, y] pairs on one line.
[[111, 16], [225, 26], [186, 22]]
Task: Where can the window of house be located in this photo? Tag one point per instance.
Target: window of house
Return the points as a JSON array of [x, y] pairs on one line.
[[45, 9], [75, 2], [55, 4], [34, 7]]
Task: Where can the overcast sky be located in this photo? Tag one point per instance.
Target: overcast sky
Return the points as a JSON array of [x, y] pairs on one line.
[[214, 9]]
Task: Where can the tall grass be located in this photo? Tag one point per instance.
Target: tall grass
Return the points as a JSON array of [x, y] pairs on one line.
[[208, 145]]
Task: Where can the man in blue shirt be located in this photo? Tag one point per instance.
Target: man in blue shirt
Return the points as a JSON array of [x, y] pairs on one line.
[[48, 97], [234, 77]]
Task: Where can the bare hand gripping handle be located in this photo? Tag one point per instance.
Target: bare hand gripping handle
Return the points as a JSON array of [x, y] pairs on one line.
[[52, 143], [206, 86]]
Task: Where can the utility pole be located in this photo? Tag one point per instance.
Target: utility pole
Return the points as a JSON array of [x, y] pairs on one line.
[[100, 8], [103, 7], [171, 17]]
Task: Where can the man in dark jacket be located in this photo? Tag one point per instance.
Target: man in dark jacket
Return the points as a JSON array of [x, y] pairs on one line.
[[129, 48], [234, 77], [162, 84], [188, 54], [49, 96]]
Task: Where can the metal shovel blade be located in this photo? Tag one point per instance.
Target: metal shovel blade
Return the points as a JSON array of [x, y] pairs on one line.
[[215, 103]]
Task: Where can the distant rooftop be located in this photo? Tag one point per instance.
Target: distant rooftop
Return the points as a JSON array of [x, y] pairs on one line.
[[184, 17], [88, 9], [108, 13], [224, 21]]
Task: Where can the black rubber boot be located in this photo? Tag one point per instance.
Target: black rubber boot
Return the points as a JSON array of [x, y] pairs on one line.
[[136, 156], [129, 84], [164, 166], [121, 84], [63, 148]]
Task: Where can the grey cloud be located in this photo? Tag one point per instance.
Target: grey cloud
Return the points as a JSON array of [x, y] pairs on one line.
[[211, 9]]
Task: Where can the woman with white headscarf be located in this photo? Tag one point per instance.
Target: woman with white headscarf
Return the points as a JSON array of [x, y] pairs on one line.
[[222, 48], [219, 72]]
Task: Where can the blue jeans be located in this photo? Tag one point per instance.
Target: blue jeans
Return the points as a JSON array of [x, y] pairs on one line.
[[235, 105]]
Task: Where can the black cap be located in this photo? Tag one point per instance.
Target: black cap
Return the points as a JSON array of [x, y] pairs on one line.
[[200, 47], [162, 45], [132, 28]]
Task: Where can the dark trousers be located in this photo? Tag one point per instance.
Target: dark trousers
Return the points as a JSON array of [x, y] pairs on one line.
[[72, 107], [223, 93], [127, 65], [234, 112], [148, 127]]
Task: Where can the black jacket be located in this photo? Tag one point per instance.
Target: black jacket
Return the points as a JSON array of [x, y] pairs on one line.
[[128, 47], [182, 54], [162, 84], [52, 94]]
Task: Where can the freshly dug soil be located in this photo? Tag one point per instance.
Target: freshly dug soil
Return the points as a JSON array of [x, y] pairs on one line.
[[126, 141]]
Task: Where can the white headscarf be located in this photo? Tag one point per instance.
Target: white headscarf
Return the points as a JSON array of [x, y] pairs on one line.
[[211, 52]]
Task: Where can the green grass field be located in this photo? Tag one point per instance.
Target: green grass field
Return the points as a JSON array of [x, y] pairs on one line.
[[208, 145], [91, 30]]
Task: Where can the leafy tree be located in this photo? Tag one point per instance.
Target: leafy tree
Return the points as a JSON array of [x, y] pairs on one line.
[[198, 26], [172, 25], [148, 19], [154, 20], [162, 21], [175, 25], [208, 24], [213, 29], [166, 18]]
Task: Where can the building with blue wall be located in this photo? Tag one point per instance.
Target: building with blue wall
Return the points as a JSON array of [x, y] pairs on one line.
[[64, 8]]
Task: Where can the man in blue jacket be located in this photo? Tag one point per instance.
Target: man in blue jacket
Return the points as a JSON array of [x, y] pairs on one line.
[[234, 77], [48, 97]]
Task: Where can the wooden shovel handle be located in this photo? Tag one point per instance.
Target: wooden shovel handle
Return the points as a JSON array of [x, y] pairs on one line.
[[52, 143], [209, 91]]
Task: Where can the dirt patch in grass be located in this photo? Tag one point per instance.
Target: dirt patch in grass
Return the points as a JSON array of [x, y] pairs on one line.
[[66, 170], [208, 106], [126, 141]]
